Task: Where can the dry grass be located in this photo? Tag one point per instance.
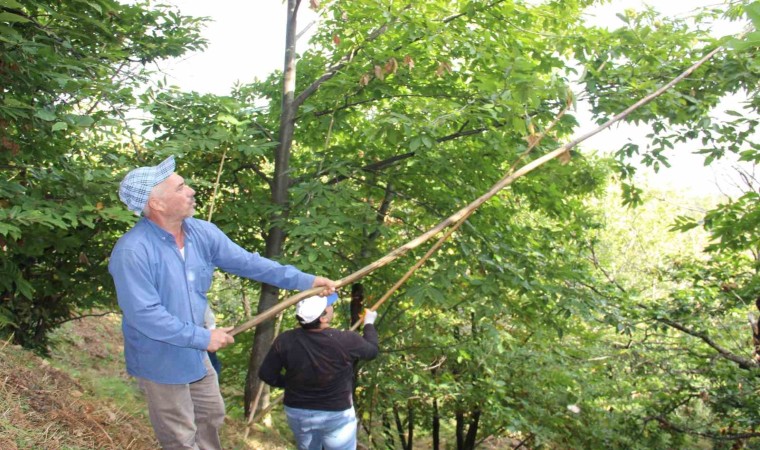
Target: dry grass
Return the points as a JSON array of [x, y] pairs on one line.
[[82, 399], [43, 407]]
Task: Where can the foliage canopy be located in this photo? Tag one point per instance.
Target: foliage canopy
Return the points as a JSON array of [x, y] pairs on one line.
[[522, 326]]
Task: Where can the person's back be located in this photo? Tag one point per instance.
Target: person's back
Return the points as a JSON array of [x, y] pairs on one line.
[[319, 366], [318, 379]]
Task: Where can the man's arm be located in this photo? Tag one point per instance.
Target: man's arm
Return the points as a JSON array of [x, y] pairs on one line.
[[230, 257], [141, 305]]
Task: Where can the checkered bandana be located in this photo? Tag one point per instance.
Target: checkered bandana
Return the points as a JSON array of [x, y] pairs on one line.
[[135, 188]]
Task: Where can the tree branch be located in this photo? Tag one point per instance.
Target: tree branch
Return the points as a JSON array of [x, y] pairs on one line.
[[347, 105], [508, 179], [598, 265], [390, 162], [71, 319], [264, 131], [257, 170], [744, 363], [715, 436], [332, 71]]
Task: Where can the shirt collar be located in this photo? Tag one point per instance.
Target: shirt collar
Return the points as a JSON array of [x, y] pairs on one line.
[[160, 232]]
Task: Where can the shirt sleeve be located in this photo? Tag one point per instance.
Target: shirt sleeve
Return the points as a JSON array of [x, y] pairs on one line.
[[363, 347], [232, 258], [141, 304], [271, 368]]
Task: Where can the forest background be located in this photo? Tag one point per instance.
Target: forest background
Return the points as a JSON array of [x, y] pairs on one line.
[[557, 315]]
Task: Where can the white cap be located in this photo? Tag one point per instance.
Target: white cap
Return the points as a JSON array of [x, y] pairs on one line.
[[311, 308]]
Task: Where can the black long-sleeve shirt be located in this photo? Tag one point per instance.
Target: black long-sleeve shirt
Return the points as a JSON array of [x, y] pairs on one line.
[[318, 366]]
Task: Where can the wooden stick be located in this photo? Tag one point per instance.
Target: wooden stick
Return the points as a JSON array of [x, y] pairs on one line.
[[414, 268], [533, 143], [501, 184], [277, 400]]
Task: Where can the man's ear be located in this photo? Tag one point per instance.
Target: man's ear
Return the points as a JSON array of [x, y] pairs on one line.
[[155, 203]]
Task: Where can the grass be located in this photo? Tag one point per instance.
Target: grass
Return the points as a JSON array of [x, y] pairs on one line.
[[42, 407], [81, 398]]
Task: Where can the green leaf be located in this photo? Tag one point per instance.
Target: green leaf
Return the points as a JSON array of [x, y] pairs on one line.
[[13, 103], [93, 5], [11, 4], [228, 119], [45, 114], [83, 121], [9, 230], [8, 34], [415, 144], [753, 38], [59, 126], [12, 18], [753, 12]]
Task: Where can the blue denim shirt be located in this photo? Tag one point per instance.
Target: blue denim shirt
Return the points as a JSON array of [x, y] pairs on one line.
[[163, 295]]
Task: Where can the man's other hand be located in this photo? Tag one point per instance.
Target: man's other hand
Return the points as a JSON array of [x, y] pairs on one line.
[[220, 338]]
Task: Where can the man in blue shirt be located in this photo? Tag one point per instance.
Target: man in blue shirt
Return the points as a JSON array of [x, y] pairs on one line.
[[162, 269]]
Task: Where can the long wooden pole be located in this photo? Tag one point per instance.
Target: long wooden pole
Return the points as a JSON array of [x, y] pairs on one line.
[[454, 218], [534, 141]]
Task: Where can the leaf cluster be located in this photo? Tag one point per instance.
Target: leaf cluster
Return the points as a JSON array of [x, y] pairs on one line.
[[69, 72]]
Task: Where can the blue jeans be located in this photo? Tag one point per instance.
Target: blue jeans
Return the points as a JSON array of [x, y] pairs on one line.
[[335, 430]]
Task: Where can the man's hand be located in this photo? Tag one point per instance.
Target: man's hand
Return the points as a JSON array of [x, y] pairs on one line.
[[369, 316], [220, 339], [329, 286]]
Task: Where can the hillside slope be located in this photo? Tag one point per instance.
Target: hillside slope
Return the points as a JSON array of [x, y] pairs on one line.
[[81, 397], [44, 407]]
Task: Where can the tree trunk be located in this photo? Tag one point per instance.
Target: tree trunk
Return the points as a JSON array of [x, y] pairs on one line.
[[388, 432], [466, 440], [405, 436], [275, 239], [436, 426], [357, 301], [472, 431], [410, 425], [460, 430], [755, 332]]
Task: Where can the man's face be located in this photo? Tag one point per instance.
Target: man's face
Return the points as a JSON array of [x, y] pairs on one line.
[[327, 316], [176, 198]]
